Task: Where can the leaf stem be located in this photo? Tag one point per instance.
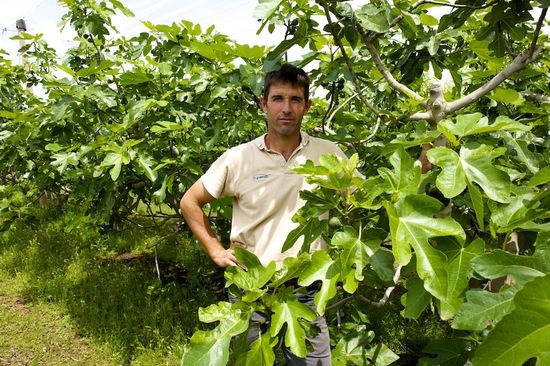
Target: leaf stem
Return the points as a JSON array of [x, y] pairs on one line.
[[340, 303]]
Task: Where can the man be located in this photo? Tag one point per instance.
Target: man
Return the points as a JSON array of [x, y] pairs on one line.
[[265, 191]]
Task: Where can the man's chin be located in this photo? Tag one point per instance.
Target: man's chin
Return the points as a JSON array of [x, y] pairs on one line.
[[289, 132]]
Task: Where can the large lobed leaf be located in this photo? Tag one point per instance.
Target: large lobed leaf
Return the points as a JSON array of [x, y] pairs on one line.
[[473, 165], [321, 268], [206, 349], [412, 223], [406, 174], [288, 310], [211, 348], [416, 299], [499, 263], [449, 352], [483, 307], [523, 211], [254, 276], [292, 267], [476, 123], [524, 333], [260, 353], [459, 272], [374, 17], [333, 172], [309, 231], [354, 256]]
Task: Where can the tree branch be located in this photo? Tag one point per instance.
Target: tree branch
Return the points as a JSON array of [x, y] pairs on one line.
[[368, 40], [437, 107], [333, 97], [520, 62], [394, 84], [347, 60], [374, 131], [343, 104], [99, 54]]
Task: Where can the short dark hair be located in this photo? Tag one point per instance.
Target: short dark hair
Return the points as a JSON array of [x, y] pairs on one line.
[[287, 74]]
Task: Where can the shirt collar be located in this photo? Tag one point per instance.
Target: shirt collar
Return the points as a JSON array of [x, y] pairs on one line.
[[260, 141]]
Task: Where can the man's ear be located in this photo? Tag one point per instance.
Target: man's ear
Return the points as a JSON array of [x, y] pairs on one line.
[[308, 106], [262, 103]]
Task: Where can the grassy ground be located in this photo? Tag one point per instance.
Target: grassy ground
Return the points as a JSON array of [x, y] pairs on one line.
[[70, 295], [34, 334]]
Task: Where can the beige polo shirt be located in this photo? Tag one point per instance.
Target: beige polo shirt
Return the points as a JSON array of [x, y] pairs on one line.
[[266, 193]]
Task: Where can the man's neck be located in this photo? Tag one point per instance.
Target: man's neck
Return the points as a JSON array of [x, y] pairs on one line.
[[282, 145]]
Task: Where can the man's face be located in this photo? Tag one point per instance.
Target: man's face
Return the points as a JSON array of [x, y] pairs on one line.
[[285, 107]]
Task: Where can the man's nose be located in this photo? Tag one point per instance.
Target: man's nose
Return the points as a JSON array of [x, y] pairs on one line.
[[286, 106]]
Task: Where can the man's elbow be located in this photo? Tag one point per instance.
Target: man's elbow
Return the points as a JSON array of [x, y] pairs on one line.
[[194, 199], [186, 203]]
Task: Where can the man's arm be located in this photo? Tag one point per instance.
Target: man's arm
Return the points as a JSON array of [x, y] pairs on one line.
[[191, 208]]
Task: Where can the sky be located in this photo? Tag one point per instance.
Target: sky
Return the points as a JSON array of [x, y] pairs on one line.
[[233, 18]]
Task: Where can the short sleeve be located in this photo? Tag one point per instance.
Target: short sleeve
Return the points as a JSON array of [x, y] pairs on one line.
[[216, 177]]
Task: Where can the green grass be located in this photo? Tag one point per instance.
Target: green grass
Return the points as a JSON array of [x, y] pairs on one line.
[[81, 302], [42, 334]]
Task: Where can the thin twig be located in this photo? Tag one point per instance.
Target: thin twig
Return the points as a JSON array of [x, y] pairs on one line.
[[133, 222], [99, 55], [157, 265], [374, 131], [162, 239], [339, 303], [505, 41], [164, 216], [537, 30], [376, 304], [541, 98], [462, 6], [336, 110], [330, 106]]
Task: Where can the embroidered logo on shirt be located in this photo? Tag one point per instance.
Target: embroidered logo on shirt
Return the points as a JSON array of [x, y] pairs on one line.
[[260, 177]]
